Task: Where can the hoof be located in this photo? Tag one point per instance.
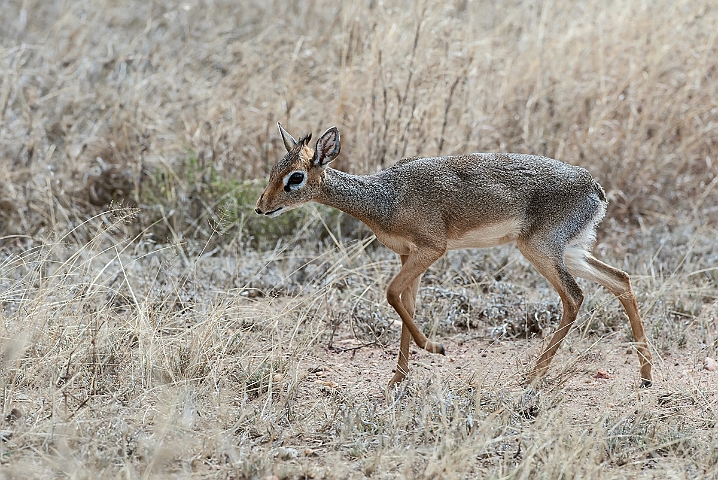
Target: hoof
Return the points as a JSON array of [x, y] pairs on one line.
[[396, 379], [434, 347], [646, 383]]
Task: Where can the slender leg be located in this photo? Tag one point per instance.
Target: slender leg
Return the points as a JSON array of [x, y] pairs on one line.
[[571, 299], [416, 264], [408, 298], [619, 284], [402, 365]]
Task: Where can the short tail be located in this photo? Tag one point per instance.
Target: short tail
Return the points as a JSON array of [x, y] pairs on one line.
[[599, 190]]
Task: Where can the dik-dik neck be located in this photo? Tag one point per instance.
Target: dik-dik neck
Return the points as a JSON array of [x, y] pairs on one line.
[[363, 197]]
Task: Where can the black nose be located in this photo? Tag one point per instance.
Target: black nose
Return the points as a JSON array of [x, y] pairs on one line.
[[258, 210]]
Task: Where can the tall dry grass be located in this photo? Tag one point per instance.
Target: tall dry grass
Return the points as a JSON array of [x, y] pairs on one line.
[[97, 97]]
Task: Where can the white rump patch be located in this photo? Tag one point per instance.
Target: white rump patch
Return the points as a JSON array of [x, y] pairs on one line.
[[575, 260], [587, 237], [487, 236]]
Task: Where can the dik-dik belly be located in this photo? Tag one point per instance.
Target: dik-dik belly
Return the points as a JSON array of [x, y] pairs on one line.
[[486, 236], [480, 237]]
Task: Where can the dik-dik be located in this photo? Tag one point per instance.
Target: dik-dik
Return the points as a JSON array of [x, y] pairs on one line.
[[422, 207]]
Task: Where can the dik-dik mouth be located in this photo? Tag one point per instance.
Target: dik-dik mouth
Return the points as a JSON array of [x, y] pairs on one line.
[[274, 212]]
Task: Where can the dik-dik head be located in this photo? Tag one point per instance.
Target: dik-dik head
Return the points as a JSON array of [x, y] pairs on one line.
[[296, 178]]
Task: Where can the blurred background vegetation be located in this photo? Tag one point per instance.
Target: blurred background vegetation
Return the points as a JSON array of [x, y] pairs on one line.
[[172, 106]]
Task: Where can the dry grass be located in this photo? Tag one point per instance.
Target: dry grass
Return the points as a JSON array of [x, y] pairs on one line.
[[124, 358], [160, 341]]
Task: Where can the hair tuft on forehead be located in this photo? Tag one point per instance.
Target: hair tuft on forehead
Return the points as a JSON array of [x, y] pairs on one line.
[[304, 140]]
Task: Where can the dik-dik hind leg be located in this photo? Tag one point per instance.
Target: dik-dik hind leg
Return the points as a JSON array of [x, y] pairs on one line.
[[551, 267], [408, 298], [584, 265], [416, 263]]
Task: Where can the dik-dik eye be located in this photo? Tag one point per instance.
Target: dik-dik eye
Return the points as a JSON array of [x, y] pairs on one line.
[[294, 181]]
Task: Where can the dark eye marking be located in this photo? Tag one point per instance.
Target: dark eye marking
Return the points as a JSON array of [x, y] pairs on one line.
[[295, 179]]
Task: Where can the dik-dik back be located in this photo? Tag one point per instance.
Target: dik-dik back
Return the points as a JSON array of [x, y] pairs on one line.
[[474, 191]]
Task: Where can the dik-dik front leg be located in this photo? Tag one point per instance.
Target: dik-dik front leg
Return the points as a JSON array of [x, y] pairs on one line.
[[408, 298], [413, 266]]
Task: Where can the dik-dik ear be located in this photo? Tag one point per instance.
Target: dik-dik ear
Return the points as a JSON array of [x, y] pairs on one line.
[[328, 147], [289, 142]]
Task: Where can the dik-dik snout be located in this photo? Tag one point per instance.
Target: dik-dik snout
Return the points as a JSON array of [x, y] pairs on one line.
[[265, 208], [297, 178]]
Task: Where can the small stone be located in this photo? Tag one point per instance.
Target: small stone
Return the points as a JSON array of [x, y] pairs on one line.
[[602, 374], [15, 414], [287, 453], [277, 377], [710, 364], [310, 453]]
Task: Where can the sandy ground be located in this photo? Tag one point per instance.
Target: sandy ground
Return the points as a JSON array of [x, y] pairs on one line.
[[589, 377]]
